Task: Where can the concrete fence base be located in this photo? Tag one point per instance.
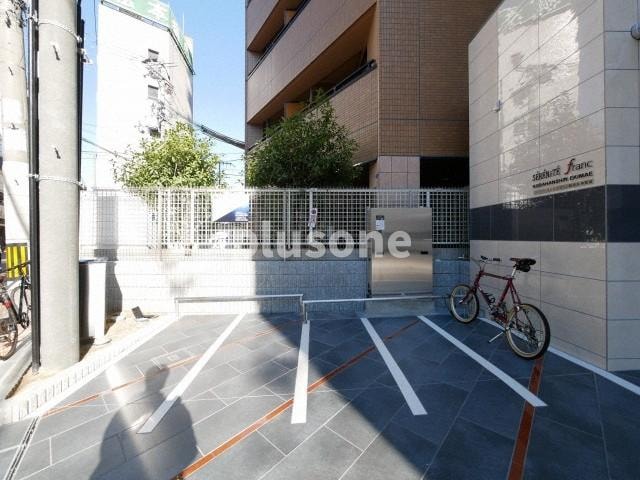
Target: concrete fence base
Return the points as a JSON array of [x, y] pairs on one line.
[[154, 283]]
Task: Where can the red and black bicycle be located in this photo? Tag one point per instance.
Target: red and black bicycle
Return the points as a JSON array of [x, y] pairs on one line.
[[524, 325]]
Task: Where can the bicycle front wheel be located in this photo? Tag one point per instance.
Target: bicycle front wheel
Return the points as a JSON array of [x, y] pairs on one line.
[[528, 331], [463, 304], [8, 333]]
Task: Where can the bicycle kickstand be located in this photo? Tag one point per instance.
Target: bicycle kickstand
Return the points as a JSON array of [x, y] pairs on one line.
[[496, 337]]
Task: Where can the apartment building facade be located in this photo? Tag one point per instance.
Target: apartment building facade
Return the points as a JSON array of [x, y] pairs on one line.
[[144, 81], [395, 70]]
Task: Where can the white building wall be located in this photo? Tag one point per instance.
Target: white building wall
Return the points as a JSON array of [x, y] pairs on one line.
[[551, 82], [124, 111]]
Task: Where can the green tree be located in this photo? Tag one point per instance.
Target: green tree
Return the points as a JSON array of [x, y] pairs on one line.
[[310, 149], [179, 159]]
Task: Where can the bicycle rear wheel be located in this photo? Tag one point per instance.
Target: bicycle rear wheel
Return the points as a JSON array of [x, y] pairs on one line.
[[528, 333], [8, 333], [463, 304], [23, 304]]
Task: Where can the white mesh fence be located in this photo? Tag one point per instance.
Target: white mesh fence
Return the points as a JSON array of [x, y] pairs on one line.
[[145, 222]]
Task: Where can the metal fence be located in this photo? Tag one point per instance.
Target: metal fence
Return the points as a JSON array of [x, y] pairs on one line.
[[181, 221]]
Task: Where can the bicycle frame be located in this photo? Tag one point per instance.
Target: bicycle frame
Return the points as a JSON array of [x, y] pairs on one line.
[[509, 289]]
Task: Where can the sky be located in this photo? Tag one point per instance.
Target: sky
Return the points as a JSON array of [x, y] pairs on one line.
[[217, 29]]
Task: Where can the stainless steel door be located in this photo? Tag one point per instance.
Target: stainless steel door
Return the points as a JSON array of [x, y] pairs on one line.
[[413, 274]]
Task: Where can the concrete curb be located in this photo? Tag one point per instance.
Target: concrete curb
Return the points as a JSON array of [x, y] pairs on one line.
[[14, 368], [42, 398]]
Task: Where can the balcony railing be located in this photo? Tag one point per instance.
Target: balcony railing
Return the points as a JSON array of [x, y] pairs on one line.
[[278, 36]]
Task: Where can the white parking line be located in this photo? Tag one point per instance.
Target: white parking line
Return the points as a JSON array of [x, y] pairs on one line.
[[509, 381], [299, 412], [162, 410], [621, 382], [403, 384]]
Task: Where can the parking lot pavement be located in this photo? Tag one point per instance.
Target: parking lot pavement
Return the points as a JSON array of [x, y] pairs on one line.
[[414, 405]]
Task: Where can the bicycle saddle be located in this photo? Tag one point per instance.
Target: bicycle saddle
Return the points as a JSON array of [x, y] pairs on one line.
[[523, 264]]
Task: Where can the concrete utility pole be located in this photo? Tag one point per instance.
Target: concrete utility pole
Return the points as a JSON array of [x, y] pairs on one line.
[[13, 112], [58, 183]]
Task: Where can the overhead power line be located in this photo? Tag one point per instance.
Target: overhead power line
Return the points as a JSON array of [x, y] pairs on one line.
[[211, 132]]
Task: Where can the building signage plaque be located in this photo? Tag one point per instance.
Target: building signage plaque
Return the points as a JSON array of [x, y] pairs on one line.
[[565, 176]]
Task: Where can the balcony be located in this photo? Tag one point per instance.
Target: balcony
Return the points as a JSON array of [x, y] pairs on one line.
[[323, 37], [265, 19]]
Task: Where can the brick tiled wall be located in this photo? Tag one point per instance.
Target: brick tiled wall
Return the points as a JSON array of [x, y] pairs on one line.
[[357, 108], [423, 74]]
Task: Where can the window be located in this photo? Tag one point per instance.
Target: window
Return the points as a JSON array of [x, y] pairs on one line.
[[152, 92], [154, 132], [152, 55]]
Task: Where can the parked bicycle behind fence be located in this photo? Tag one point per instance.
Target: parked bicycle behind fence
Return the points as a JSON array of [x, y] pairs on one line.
[[15, 311], [524, 325]]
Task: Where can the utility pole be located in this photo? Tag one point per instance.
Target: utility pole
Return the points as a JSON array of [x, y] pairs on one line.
[[58, 183], [13, 112]]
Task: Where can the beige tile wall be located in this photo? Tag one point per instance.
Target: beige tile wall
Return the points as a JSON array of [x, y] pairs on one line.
[[567, 76], [356, 107]]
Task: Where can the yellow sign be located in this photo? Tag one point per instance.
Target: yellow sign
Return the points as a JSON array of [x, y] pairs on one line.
[[17, 254]]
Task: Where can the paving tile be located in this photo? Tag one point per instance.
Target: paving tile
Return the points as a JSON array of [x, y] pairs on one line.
[[247, 461], [167, 359], [182, 343], [164, 461], [459, 367], [180, 418], [37, 457], [91, 463], [402, 345], [210, 378], [479, 343], [612, 396], [345, 351], [249, 381], [556, 365], [388, 326], [6, 457], [221, 426], [494, 406], [66, 420], [103, 427], [395, 453], [309, 460], [13, 433], [457, 329], [418, 372], [571, 400], [289, 359], [260, 356], [435, 349], [336, 336], [154, 382], [509, 363], [622, 437], [320, 408], [359, 376], [442, 403], [557, 451], [621, 426], [227, 353], [143, 353], [472, 452], [361, 420]]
